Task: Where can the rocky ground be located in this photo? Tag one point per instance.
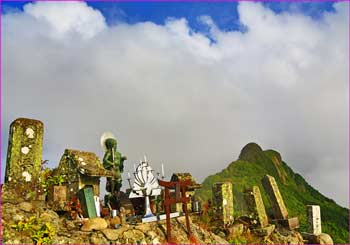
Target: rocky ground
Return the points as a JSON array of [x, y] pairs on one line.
[[33, 222], [20, 222]]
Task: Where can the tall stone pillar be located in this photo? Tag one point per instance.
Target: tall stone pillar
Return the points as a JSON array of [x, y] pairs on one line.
[[280, 212], [276, 200], [223, 201], [256, 205], [24, 152]]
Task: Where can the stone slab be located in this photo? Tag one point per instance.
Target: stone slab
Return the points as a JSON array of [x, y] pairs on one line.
[[314, 219], [256, 205], [278, 207], [290, 223]]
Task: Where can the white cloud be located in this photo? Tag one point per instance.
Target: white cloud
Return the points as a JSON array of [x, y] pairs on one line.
[[172, 94], [68, 18]]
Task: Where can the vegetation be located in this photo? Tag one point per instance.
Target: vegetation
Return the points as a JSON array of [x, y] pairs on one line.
[[253, 164], [39, 231]]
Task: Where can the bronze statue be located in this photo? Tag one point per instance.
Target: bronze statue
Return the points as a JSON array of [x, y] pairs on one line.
[[114, 161]]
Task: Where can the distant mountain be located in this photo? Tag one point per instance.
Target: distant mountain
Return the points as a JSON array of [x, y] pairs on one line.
[[253, 163]]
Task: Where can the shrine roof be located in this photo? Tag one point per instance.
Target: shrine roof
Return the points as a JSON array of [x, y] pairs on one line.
[[87, 163]]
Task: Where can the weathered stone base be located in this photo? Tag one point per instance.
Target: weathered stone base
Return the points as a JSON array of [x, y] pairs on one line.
[[290, 223], [322, 238], [265, 231]]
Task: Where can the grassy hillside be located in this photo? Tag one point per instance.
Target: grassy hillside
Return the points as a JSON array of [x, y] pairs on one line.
[[253, 164]]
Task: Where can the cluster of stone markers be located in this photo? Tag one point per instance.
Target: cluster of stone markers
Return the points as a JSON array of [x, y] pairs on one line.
[[223, 201]]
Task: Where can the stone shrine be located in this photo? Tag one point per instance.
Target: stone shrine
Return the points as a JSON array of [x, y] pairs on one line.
[[189, 191]]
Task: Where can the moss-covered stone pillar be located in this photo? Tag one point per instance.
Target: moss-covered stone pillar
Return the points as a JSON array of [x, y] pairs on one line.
[[256, 205], [223, 201], [278, 207], [24, 154]]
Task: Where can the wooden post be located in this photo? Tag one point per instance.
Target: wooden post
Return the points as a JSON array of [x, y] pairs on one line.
[[167, 213], [184, 207]]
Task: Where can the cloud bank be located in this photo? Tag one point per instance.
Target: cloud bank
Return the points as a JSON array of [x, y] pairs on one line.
[[176, 96]]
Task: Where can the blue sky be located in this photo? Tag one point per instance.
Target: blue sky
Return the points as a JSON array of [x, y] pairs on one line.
[[224, 14]]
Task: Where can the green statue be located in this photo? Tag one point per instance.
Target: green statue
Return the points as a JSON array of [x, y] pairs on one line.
[[114, 161]]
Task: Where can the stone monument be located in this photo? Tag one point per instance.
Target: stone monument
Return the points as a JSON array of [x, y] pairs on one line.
[[314, 234], [256, 205], [276, 200], [314, 219], [223, 201], [24, 153], [279, 209]]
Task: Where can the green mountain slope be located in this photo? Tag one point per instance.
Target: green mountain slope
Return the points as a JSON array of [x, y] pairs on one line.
[[253, 164]]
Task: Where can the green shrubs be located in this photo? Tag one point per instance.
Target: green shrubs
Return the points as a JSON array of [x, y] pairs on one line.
[[40, 232]]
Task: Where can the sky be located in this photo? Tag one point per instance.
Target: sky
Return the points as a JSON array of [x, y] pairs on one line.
[[187, 84]]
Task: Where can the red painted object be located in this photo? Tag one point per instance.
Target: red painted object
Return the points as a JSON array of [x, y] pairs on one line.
[[180, 197]]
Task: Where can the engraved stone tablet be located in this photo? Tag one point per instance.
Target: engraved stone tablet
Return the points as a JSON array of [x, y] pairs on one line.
[[314, 219]]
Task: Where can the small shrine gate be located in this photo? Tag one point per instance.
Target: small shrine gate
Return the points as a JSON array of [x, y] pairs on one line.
[[180, 197]]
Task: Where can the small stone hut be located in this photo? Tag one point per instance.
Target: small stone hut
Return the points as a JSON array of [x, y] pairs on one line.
[[189, 193], [80, 169]]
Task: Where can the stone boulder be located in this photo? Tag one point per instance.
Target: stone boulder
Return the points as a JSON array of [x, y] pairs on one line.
[[94, 224], [324, 238], [97, 238], [134, 236], [265, 231], [115, 221], [26, 206], [111, 234]]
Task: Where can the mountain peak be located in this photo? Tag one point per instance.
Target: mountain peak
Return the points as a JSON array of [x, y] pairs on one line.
[[251, 152]]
